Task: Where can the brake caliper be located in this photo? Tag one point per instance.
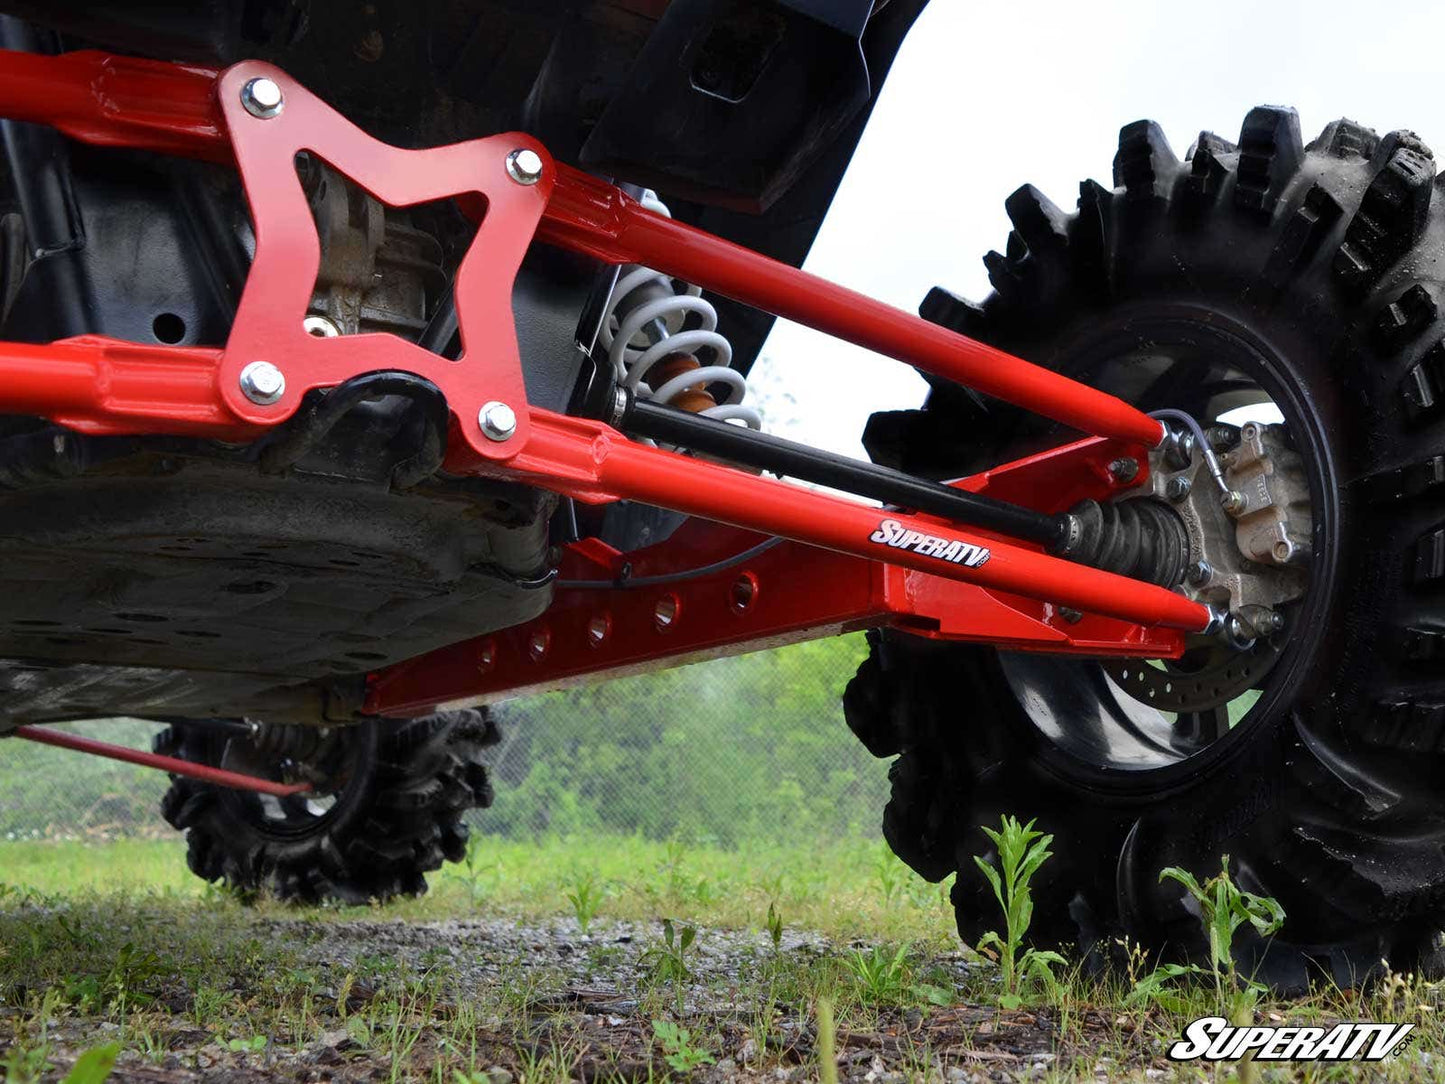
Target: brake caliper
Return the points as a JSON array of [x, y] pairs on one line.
[[1248, 546]]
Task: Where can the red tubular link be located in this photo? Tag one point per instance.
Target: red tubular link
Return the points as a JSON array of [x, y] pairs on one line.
[[591, 216], [121, 101], [117, 101], [596, 460], [107, 387], [219, 776]]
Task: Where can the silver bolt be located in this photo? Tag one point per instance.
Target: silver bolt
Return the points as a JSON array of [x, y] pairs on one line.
[[1232, 502], [524, 166], [1124, 469], [262, 98], [1178, 488], [1238, 633], [1179, 448], [320, 326], [1200, 573], [1268, 622], [498, 420], [262, 383]]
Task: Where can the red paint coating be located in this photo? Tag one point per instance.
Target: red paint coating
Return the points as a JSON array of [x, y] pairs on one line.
[[219, 776], [120, 101], [794, 592], [116, 101], [589, 215], [104, 386]]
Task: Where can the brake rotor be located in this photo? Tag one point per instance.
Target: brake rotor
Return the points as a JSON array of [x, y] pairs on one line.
[[1179, 685]]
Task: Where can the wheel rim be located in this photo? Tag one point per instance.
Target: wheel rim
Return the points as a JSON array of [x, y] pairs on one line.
[[1097, 719], [334, 776]]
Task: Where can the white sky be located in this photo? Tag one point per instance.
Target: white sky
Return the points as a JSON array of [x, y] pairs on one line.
[[986, 96]]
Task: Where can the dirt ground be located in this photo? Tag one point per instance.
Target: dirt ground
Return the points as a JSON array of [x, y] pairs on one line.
[[510, 1001]]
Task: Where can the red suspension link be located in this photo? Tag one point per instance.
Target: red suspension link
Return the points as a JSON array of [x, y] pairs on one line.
[[219, 776], [104, 386]]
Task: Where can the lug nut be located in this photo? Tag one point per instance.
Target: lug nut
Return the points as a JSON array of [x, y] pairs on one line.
[[262, 383], [1232, 502], [1124, 469], [1178, 488], [498, 420], [262, 98], [524, 166], [1200, 573]]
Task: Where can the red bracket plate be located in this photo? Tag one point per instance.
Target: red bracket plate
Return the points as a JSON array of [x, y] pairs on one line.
[[288, 254]]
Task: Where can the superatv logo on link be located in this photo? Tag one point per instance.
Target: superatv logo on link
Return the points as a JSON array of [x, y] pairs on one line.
[[892, 533], [1214, 1038]]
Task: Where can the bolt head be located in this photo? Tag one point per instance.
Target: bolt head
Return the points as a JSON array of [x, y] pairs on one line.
[[262, 383], [262, 98], [524, 166], [1124, 469], [498, 420], [1232, 502], [1178, 488], [1200, 573], [1239, 634]]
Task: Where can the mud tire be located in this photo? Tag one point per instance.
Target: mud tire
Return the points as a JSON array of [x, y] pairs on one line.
[[398, 817], [1329, 259]]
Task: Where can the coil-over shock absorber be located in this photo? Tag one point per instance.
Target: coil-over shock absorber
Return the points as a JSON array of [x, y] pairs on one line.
[[654, 353]]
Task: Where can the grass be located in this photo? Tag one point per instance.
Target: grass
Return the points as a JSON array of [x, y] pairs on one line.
[[850, 889], [118, 943]]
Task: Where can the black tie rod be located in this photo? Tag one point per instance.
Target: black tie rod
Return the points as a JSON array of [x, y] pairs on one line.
[[750, 448]]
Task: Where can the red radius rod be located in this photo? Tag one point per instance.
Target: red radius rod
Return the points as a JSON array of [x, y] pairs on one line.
[[219, 776]]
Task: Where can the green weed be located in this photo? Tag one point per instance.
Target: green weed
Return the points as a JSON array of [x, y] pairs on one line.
[[678, 1049], [586, 899], [775, 926], [472, 874], [667, 962], [1021, 852], [881, 975], [1224, 909], [890, 873], [94, 1066]]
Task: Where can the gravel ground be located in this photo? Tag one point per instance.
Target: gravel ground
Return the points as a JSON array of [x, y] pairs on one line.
[[541, 1001]]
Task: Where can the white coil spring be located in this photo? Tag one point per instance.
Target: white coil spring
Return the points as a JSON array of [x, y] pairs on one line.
[[651, 330]]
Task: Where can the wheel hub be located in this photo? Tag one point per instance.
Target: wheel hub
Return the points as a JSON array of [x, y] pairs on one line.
[[1247, 546]]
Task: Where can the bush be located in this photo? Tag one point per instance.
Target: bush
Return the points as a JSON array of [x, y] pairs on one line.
[[751, 747]]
